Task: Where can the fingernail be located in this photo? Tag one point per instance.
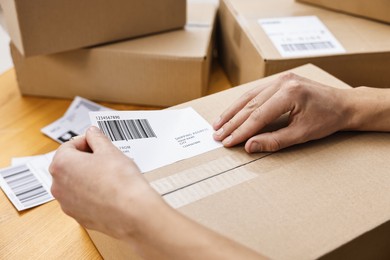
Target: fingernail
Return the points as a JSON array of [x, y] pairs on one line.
[[77, 137], [94, 129], [219, 132], [255, 147], [227, 140]]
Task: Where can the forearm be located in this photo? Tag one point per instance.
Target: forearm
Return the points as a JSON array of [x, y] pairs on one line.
[[369, 109], [169, 235]]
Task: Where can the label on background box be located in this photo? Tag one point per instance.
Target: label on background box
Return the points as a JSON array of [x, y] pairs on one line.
[[300, 36]]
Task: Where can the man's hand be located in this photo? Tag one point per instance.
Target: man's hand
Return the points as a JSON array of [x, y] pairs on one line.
[[315, 111], [99, 186], [103, 190]]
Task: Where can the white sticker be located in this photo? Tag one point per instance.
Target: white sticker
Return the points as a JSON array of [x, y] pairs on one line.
[[28, 184], [157, 138], [300, 36], [74, 122]]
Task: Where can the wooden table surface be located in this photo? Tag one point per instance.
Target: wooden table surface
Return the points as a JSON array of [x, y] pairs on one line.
[[44, 232]]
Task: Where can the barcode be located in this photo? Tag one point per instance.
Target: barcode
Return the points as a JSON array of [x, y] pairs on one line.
[[307, 46], [26, 187], [121, 130]]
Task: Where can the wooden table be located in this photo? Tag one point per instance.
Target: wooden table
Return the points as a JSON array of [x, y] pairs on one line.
[[44, 232]]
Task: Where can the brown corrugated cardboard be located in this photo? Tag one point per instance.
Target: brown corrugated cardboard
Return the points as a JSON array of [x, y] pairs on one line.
[[247, 52], [326, 198], [160, 70], [374, 9], [43, 26]]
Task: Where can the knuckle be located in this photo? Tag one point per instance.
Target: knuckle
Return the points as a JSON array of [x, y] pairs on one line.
[[252, 104], [248, 95], [287, 76], [293, 87], [56, 166], [256, 114], [55, 191]]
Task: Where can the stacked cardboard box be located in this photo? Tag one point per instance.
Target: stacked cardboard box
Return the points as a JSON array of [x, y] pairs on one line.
[[327, 198], [375, 9], [162, 69], [260, 38], [42, 27]]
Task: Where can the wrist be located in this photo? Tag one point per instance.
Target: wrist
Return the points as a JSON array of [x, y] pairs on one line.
[[354, 110], [368, 109], [145, 215]]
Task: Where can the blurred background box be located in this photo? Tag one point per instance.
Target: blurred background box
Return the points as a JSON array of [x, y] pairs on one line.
[[247, 52], [50, 26], [373, 9], [159, 70]]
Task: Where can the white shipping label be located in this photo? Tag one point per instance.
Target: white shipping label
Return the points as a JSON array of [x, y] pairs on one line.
[[300, 36], [28, 184], [74, 122], [157, 138]]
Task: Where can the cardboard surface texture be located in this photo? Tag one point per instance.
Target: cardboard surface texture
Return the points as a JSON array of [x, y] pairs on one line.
[[44, 26], [248, 53], [160, 70], [375, 9], [326, 198]]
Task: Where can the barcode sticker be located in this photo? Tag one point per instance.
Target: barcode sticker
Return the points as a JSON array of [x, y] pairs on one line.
[[23, 187], [300, 36], [27, 183], [157, 138], [120, 130]]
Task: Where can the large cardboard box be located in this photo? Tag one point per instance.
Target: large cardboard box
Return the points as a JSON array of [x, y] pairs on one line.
[[248, 53], [327, 198], [51, 26], [374, 9], [160, 70]]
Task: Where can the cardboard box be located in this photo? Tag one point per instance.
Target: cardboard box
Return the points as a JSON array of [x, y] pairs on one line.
[[247, 52], [44, 26], [375, 9], [160, 70], [326, 198]]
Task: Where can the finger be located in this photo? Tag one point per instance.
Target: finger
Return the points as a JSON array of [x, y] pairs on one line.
[[274, 141], [245, 112], [271, 110], [76, 144], [98, 142], [238, 105], [80, 143]]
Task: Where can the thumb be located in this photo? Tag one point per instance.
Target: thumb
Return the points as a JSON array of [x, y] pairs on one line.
[[273, 141], [97, 141]]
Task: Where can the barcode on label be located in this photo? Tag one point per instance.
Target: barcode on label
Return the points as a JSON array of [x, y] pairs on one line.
[[124, 130], [307, 46], [28, 190]]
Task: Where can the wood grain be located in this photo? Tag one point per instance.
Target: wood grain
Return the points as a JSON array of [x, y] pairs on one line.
[[45, 232]]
